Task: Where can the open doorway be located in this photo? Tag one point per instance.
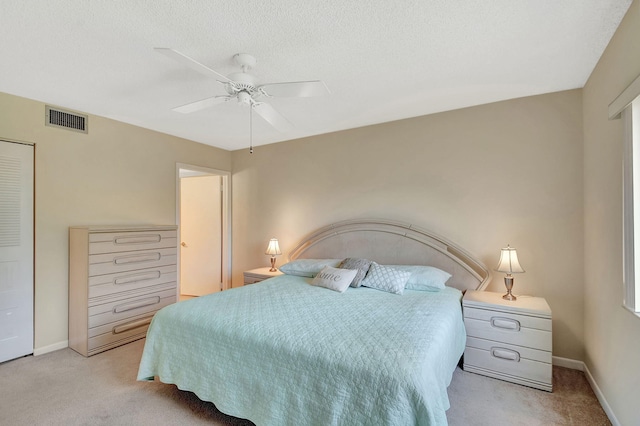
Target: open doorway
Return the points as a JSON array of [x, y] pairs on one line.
[[203, 219]]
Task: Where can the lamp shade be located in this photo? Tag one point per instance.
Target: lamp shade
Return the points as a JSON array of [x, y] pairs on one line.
[[509, 261], [273, 248]]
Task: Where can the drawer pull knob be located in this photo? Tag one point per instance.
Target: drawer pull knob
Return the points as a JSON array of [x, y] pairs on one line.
[[505, 323], [506, 354], [131, 325], [136, 278], [137, 258], [137, 304], [138, 239]]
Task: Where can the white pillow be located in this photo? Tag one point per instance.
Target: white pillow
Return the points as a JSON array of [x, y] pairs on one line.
[[308, 267], [334, 279], [386, 278]]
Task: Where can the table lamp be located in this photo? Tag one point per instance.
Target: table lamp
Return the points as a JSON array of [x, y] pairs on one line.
[[273, 249], [509, 263]]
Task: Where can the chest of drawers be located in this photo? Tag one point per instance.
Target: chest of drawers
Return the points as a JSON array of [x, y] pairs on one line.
[[508, 340], [119, 277]]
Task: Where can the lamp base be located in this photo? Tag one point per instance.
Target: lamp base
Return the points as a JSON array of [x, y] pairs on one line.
[[509, 296], [508, 282], [273, 264]]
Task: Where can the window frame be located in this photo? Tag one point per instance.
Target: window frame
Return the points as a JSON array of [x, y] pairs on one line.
[[627, 107], [631, 206]]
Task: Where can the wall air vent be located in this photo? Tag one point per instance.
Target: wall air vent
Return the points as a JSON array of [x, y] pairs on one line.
[[67, 120]]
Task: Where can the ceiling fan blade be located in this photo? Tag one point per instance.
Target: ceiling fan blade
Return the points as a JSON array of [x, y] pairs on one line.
[[271, 116], [201, 104], [187, 61], [300, 89]]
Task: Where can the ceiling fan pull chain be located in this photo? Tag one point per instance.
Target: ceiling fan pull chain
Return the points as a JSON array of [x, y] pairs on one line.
[[250, 129]]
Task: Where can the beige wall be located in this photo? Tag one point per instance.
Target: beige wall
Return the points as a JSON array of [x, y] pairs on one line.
[[612, 334], [508, 172], [116, 174]]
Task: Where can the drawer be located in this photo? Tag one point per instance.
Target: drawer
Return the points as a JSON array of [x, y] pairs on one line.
[[109, 263], [126, 308], [134, 293], [252, 279], [509, 328], [526, 353], [123, 328], [105, 285], [120, 330], [519, 364], [526, 321], [98, 344], [119, 333], [116, 242]]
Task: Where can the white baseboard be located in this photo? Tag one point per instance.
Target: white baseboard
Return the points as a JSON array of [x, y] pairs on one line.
[[568, 363], [50, 348], [605, 405]]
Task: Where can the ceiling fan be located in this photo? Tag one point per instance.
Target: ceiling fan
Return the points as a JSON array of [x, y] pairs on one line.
[[243, 87]]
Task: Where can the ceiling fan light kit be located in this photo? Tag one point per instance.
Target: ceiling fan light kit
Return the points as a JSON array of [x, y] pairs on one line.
[[244, 87], [245, 98]]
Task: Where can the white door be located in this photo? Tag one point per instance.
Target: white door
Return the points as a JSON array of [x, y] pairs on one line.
[[16, 250], [201, 235]]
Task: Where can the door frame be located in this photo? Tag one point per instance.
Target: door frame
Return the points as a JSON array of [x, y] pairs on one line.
[[226, 216]]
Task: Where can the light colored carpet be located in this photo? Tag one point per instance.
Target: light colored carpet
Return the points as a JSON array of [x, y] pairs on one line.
[[64, 388]]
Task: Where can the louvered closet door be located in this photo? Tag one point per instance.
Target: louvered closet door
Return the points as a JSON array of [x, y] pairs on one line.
[[16, 250]]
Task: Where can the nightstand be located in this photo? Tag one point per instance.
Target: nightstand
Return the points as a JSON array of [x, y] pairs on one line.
[[260, 274], [508, 340]]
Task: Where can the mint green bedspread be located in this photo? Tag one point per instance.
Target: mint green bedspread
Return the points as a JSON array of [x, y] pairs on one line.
[[283, 352]]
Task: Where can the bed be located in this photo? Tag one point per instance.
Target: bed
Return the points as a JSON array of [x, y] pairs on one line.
[[285, 352]]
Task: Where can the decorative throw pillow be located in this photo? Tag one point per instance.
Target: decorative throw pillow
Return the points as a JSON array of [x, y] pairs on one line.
[[386, 278], [334, 278], [361, 265], [425, 278], [308, 267]]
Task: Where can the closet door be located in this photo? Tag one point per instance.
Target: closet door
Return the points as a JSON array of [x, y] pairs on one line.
[[16, 250]]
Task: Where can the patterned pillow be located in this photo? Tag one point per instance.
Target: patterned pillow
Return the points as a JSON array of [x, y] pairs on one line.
[[425, 278], [387, 279], [334, 278], [362, 265]]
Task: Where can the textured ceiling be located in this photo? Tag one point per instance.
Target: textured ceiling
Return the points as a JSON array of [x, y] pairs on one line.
[[382, 60]]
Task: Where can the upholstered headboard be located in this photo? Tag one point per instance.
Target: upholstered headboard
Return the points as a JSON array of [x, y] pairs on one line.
[[393, 243]]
